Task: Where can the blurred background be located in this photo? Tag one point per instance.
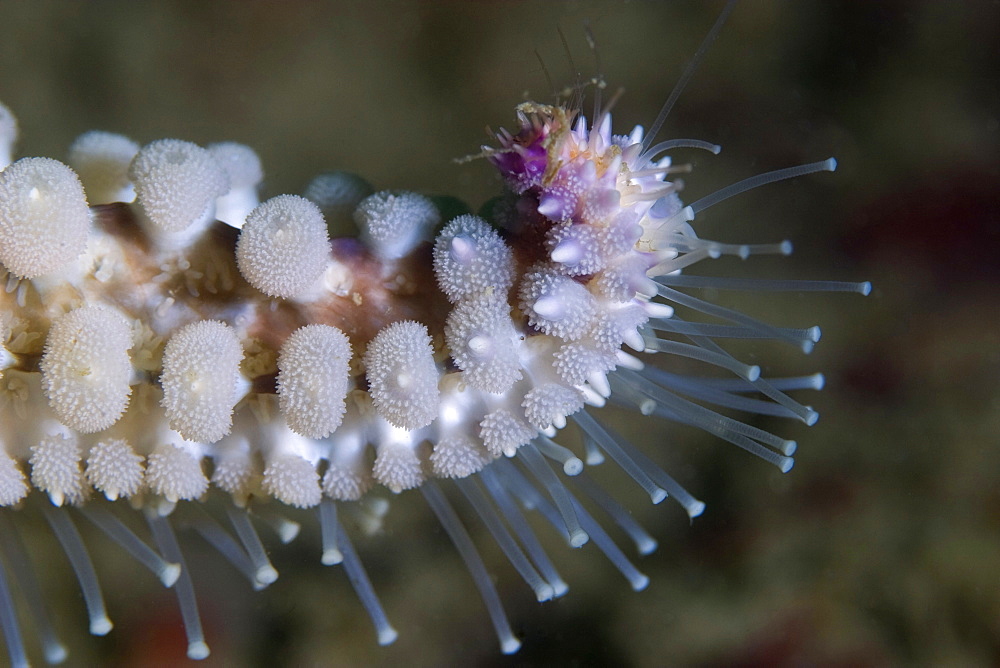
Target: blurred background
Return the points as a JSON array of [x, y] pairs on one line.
[[881, 546]]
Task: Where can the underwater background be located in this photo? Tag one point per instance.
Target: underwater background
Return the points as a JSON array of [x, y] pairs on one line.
[[881, 546]]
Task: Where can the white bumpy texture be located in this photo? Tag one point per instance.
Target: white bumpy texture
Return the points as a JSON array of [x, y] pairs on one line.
[[402, 376], [458, 456], [233, 473], [86, 368], [283, 246], [394, 223], [548, 405], [55, 469], [175, 474], [13, 485], [115, 469], [201, 374], [398, 467], [313, 379], [481, 338], [503, 433], [470, 258], [556, 304], [177, 183], [44, 217], [293, 480]]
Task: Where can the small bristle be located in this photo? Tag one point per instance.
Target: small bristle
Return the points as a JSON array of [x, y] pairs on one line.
[[175, 474], [481, 338], [503, 432], [557, 304], [549, 404], [176, 183], [313, 379], [393, 223], [292, 480], [44, 218], [398, 467], [86, 369], [13, 484], [201, 373], [283, 246], [402, 376], [55, 469], [115, 469], [458, 457], [470, 258]]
